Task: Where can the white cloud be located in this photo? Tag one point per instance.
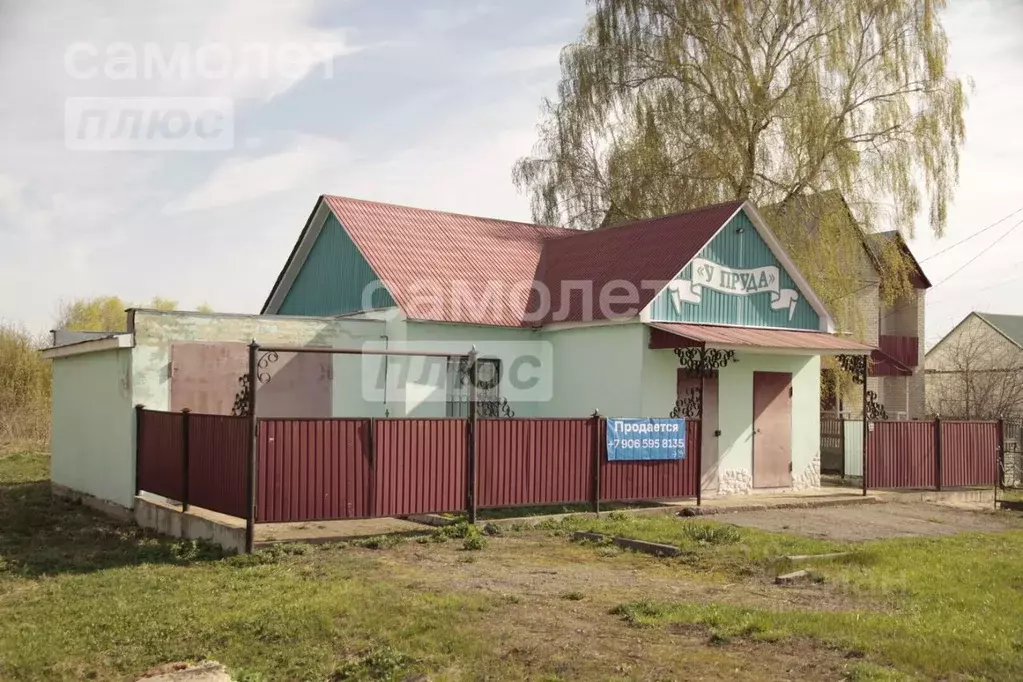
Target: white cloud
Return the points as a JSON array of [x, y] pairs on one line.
[[515, 59], [186, 48], [75, 223], [241, 180]]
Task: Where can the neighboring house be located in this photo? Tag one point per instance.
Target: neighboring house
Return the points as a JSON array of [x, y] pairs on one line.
[[700, 314], [897, 371], [976, 370], [895, 330]]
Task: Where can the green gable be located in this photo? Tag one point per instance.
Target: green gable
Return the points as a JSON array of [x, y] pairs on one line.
[[735, 280], [333, 278]]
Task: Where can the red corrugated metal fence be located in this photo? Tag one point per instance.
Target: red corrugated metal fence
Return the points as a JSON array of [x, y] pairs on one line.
[[420, 466], [969, 453], [323, 469], [534, 461], [218, 448], [313, 470], [160, 453], [904, 454], [655, 480], [901, 454]]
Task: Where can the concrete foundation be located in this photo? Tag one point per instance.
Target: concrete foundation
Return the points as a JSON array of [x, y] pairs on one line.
[[969, 496], [111, 509], [168, 520]]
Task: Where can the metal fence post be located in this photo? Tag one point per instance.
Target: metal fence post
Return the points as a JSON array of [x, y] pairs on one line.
[[841, 442], [937, 453], [1000, 460], [470, 446], [250, 492], [371, 494], [596, 462], [866, 427], [699, 459], [139, 409], [184, 458]]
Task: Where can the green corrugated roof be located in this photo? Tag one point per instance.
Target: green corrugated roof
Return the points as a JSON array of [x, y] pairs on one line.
[[1009, 325]]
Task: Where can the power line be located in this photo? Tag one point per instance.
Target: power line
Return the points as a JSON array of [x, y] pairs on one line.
[[897, 309], [975, 234], [945, 250], [986, 287], [983, 251]]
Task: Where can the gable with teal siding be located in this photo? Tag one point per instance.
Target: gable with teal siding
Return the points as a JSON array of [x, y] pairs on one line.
[[333, 278], [736, 280]]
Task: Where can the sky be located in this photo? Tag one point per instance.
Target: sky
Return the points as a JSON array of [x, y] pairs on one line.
[[404, 101]]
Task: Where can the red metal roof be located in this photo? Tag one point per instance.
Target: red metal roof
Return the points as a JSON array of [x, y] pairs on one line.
[[753, 337], [647, 254], [436, 265]]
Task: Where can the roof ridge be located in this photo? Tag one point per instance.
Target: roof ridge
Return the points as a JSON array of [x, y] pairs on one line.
[[997, 314], [679, 214], [535, 226], [1012, 335]]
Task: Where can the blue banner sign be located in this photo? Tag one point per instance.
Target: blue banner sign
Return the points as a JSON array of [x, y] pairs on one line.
[[646, 439]]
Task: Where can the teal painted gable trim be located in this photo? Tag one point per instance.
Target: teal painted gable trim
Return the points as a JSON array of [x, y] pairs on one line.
[[754, 289], [333, 277]]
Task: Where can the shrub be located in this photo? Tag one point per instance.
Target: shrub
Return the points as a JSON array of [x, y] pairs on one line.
[[25, 385], [711, 533], [454, 531], [377, 664], [474, 543], [377, 542], [474, 540]]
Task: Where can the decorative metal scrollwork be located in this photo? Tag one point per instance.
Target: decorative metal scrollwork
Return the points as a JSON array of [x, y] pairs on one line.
[[690, 407], [488, 403], [698, 363], [242, 399], [494, 409], [858, 367], [263, 366], [875, 410], [702, 363]]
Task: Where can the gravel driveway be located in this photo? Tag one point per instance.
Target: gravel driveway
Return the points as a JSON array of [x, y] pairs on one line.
[[872, 521]]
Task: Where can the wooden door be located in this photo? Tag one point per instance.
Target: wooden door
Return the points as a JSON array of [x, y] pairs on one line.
[[709, 424], [709, 440], [204, 376], [772, 429]]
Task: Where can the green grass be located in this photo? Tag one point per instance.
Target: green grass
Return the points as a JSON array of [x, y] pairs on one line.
[[707, 545], [1011, 494], [946, 605], [82, 597]]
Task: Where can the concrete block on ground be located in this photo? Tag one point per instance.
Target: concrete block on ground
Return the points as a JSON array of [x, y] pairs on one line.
[[790, 578], [817, 557], [208, 671], [655, 548]]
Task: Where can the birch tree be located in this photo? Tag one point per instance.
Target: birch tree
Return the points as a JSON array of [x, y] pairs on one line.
[[666, 105]]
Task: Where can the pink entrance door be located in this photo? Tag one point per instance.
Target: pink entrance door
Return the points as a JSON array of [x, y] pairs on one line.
[[772, 429], [709, 417]]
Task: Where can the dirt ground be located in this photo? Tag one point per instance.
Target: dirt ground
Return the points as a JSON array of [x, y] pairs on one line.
[[558, 599], [874, 521]]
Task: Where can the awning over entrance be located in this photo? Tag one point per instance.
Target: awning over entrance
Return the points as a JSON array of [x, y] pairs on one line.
[[884, 365], [676, 335]]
